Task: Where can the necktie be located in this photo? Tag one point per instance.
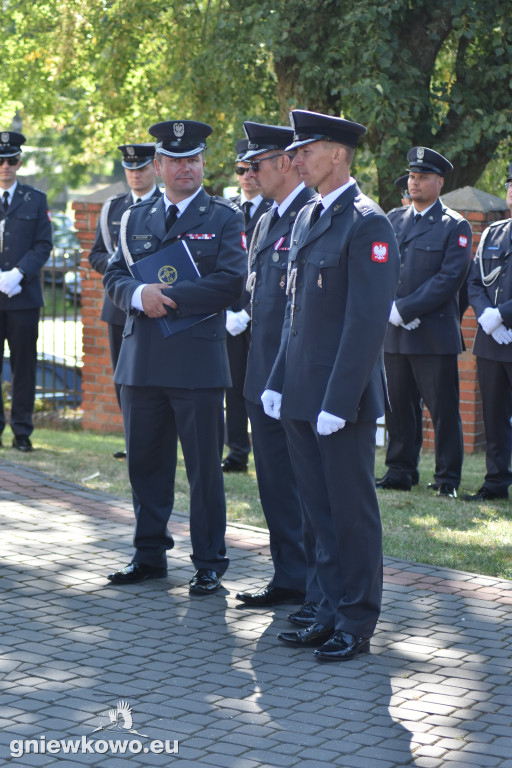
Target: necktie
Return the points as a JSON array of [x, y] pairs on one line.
[[6, 200], [317, 210], [138, 200], [172, 216], [417, 217], [274, 218], [246, 207]]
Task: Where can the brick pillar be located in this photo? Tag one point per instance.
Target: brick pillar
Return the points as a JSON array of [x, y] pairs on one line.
[[99, 403], [480, 209]]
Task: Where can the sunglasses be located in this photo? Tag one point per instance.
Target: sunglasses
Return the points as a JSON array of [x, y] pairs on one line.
[[255, 164], [240, 171], [10, 160]]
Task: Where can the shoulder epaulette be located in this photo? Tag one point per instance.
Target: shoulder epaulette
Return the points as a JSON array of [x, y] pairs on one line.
[[224, 201], [30, 188], [451, 213], [499, 223], [362, 206], [398, 209]]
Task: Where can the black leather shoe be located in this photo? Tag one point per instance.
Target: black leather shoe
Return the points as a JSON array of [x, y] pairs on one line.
[[22, 443], [305, 616], [342, 647], [388, 483], [119, 454], [271, 595], [230, 465], [433, 486], [447, 490], [484, 494], [204, 581], [310, 637], [136, 572]]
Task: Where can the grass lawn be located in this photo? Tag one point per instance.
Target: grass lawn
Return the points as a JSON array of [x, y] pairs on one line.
[[418, 526]]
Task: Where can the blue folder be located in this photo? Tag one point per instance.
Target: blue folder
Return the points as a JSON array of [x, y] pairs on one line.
[[170, 266]]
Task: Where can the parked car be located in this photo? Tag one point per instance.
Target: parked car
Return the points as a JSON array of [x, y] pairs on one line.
[[66, 250], [56, 380]]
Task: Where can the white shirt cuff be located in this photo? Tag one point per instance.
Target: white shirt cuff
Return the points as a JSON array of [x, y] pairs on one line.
[[136, 297]]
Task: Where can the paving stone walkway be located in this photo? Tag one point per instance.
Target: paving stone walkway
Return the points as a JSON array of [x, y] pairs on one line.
[[95, 674]]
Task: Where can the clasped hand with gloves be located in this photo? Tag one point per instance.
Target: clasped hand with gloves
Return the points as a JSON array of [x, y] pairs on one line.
[[492, 324], [236, 322], [10, 282], [396, 319]]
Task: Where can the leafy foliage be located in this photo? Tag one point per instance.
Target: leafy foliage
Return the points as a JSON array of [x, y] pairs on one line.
[[86, 74]]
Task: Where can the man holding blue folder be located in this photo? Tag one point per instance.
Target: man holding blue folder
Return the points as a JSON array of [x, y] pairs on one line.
[[173, 387]]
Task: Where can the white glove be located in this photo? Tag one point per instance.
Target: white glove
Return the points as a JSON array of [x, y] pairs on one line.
[[236, 322], [272, 403], [412, 325], [10, 282], [502, 335], [490, 319], [394, 316], [327, 423]]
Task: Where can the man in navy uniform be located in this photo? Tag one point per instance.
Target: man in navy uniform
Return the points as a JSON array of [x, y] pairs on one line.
[[238, 326], [25, 245], [140, 175], [424, 337], [174, 387], [279, 180], [327, 384], [490, 295]]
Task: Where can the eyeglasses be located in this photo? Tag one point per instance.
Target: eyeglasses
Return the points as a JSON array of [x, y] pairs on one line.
[[508, 184], [240, 171], [10, 160], [255, 164]]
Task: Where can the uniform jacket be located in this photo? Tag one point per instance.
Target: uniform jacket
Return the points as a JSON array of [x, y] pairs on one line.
[[495, 250], [330, 356], [262, 208], [435, 255], [99, 256], [196, 357], [26, 243], [269, 266]]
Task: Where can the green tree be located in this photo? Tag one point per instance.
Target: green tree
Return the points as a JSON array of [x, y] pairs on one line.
[[86, 74]]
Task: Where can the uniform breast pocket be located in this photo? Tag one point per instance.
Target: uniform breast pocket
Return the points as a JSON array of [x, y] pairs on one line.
[[275, 284], [428, 256], [322, 272], [204, 253]]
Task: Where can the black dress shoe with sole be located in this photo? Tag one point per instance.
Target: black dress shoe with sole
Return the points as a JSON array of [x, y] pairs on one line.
[[484, 494], [137, 572], [271, 595], [342, 647], [230, 465], [447, 490], [119, 454], [22, 443], [314, 635], [204, 581], [305, 616], [388, 483]]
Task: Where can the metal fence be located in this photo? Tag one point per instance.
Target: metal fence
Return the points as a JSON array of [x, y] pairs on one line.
[[59, 348]]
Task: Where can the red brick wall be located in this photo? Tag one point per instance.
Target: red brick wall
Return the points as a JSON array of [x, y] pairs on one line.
[[99, 403]]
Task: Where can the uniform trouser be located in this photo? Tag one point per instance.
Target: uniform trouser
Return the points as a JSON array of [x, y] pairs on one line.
[[335, 477], [154, 419], [293, 549], [115, 337], [434, 378], [20, 328], [237, 432], [495, 381]]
